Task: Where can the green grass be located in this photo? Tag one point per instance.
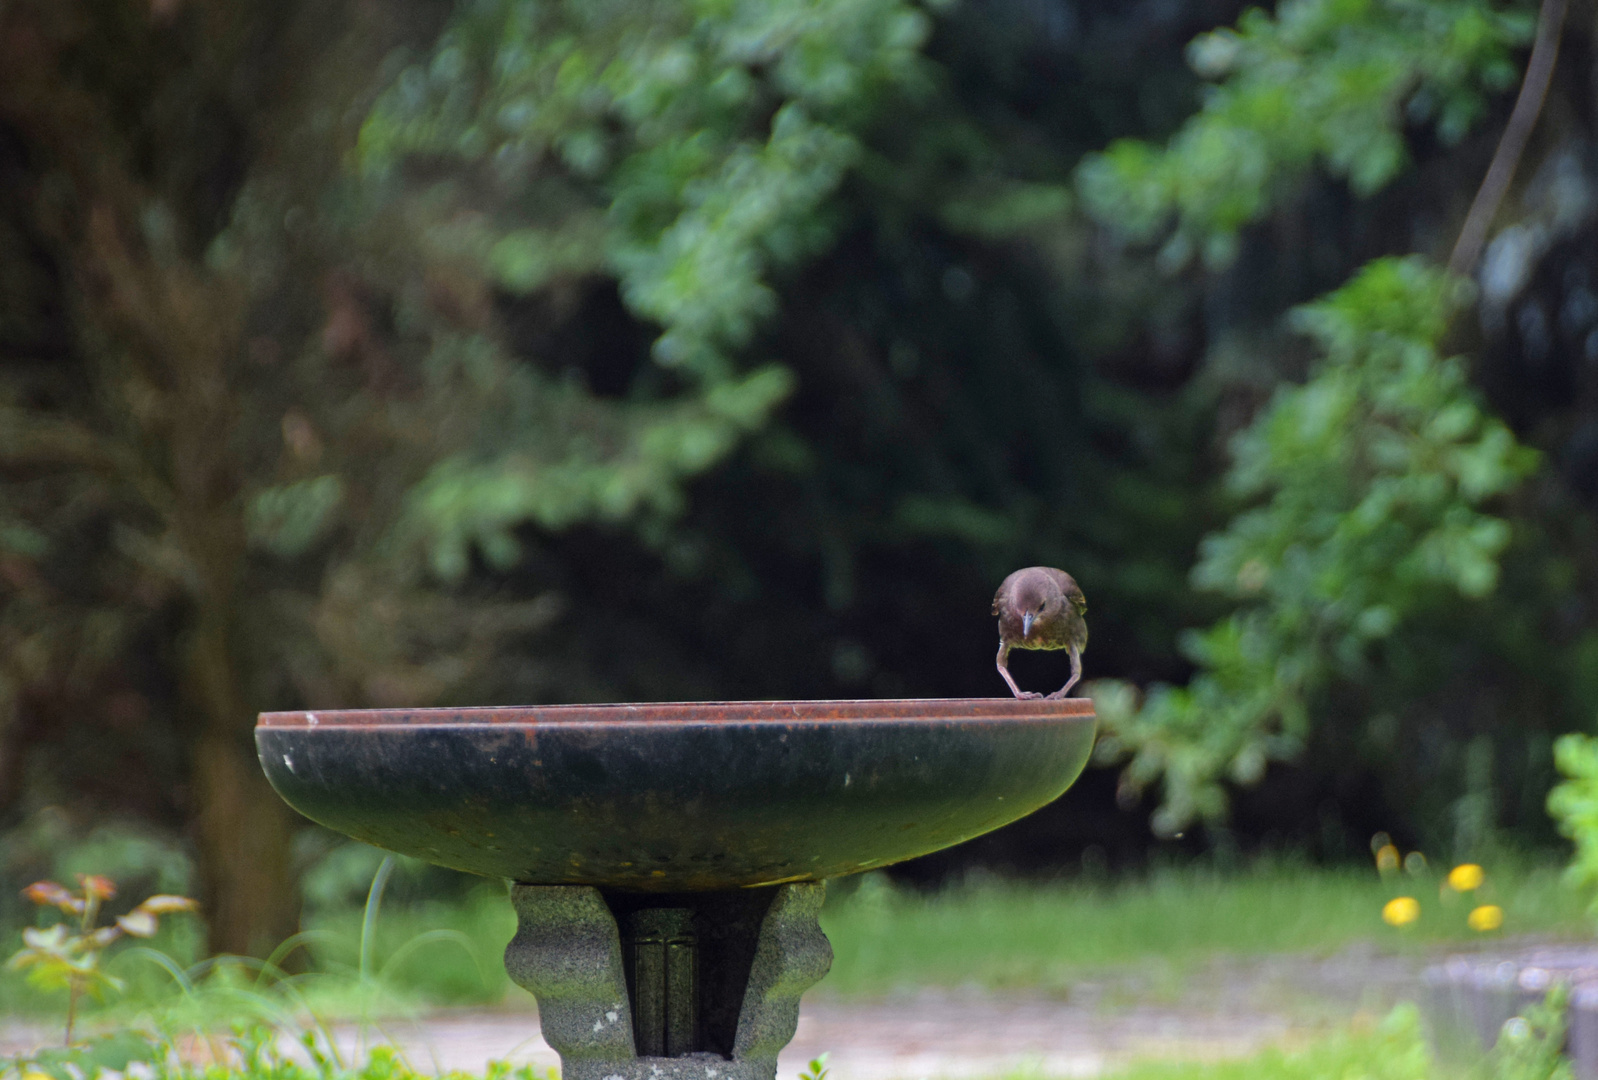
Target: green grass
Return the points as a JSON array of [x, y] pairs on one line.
[[999, 935], [1006, 936], [434, 952], [990, 933], [1395, 1049], [1013, 936]]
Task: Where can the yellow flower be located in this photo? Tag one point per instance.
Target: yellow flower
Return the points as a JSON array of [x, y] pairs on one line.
[[1465, 877], [1487, 917], [1401, 911], [1387, 859]]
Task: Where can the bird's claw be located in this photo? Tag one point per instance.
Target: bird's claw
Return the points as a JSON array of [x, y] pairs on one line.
[[1028, 695]]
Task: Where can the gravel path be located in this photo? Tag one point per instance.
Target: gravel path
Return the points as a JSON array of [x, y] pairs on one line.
[[1230, 1009], [952, 1037]]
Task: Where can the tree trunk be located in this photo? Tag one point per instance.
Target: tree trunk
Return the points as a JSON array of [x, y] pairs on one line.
[[249, 894], [248, 889]]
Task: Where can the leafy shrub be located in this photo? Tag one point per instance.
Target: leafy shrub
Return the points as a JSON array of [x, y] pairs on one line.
[[1317, 82], [1574, 807], [1370, 485], [687, 151]]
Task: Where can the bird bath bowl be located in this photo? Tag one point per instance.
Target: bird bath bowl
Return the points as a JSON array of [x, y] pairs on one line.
[[668, 860]]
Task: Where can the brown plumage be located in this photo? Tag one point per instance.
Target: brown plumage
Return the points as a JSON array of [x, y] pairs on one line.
[[1041, 608]]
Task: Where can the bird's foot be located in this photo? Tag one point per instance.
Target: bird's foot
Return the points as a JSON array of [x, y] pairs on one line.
[[1028, 695], [1056, 696]]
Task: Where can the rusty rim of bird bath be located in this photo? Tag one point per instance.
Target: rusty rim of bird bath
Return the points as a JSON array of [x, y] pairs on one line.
[[858, 710]]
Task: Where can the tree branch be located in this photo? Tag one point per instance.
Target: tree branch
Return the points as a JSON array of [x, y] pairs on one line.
[[1533, 89], [28, 440]]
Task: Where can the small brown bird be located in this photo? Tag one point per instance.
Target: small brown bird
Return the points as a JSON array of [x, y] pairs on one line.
[[1041, 608]]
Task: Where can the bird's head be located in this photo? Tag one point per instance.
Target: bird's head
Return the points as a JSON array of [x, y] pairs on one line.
[[1037, 603]]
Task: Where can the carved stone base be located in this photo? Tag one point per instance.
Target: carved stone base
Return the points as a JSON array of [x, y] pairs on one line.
[[686, 986]]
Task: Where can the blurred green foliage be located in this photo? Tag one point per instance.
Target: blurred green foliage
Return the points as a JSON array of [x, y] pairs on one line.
[[1377, 500], [704, 137], [509, 351], [688, 151], [1573, 803], [1369, 483], [1315, 82]]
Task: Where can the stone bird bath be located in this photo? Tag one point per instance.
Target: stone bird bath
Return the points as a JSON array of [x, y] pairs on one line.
[[668, 861]]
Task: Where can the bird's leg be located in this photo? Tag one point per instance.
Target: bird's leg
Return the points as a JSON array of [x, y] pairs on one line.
[[1004, 669], [1076, 673]]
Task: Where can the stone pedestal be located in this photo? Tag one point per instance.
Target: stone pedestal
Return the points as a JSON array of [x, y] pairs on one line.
[[680, 986]]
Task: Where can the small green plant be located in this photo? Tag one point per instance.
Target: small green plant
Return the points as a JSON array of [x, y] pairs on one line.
[[251, 1052], [1531, 1046], [816, 1070], [93, 1058], [64, 957]]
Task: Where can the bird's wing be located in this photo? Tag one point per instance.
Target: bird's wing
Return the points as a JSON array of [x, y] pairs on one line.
[[1071, 590]]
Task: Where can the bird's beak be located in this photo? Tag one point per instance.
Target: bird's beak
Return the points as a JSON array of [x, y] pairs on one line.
[[1026, 624]]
